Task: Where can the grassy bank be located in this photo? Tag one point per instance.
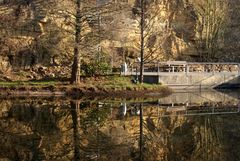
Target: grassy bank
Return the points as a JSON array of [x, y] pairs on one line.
[[91, 86], [118, 83]]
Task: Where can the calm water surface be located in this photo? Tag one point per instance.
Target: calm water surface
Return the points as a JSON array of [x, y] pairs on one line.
[[186, 126]]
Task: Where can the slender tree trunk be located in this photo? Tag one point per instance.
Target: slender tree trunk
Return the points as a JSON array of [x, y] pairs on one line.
[[142, 42], [76, 67]]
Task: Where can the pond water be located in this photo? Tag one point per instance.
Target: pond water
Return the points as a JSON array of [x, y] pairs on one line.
[[185, 126]]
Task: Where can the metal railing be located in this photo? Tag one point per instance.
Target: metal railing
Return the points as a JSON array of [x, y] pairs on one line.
[[183, 67]]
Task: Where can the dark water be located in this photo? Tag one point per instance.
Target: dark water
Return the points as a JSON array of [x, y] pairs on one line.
[[186, 126]]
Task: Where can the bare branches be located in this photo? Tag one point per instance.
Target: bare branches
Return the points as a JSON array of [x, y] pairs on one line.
[[212, 16]]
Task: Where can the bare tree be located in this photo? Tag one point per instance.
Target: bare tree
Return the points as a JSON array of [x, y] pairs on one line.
[[212, 17], [148, 13], [76, 67], [142, 25], [85, 29]]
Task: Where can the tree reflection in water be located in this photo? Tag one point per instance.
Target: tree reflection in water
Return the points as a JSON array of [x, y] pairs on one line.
[[141, 134], [75, 107], [113, 131]]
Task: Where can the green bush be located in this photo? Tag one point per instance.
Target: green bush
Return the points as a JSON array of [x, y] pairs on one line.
[[88, 69], [101, 67]]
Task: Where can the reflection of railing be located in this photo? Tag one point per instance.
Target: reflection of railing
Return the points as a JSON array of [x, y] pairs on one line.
[[183, 67], [212, 112], [182, 109], [211, 108], [197, 111]]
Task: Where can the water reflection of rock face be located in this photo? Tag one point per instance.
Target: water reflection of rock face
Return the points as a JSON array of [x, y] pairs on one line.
[[23, 127], [60, 130]]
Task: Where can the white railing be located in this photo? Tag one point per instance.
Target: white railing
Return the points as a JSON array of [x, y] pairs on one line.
[[182, 67]]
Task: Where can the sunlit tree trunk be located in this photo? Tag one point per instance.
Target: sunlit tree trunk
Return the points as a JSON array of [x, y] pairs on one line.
[[142, 41], [76, 67]]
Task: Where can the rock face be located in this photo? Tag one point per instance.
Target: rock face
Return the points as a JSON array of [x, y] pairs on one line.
[[36, 32], [232, 39], [177, 30]]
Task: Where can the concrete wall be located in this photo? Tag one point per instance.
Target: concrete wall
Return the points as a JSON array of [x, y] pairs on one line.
[[197, 80], [200, 80]]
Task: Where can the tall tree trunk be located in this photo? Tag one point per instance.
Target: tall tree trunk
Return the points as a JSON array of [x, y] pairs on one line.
[[142, 42], [76, 67]]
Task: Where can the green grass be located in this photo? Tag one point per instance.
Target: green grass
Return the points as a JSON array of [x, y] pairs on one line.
[[125, 83], [27, 83], [115, 83]]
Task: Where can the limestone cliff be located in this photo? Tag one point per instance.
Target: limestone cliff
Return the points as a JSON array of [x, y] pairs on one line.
[[38, 32]]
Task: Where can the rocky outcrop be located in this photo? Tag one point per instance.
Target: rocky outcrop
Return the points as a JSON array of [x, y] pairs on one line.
[[36, 32]]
